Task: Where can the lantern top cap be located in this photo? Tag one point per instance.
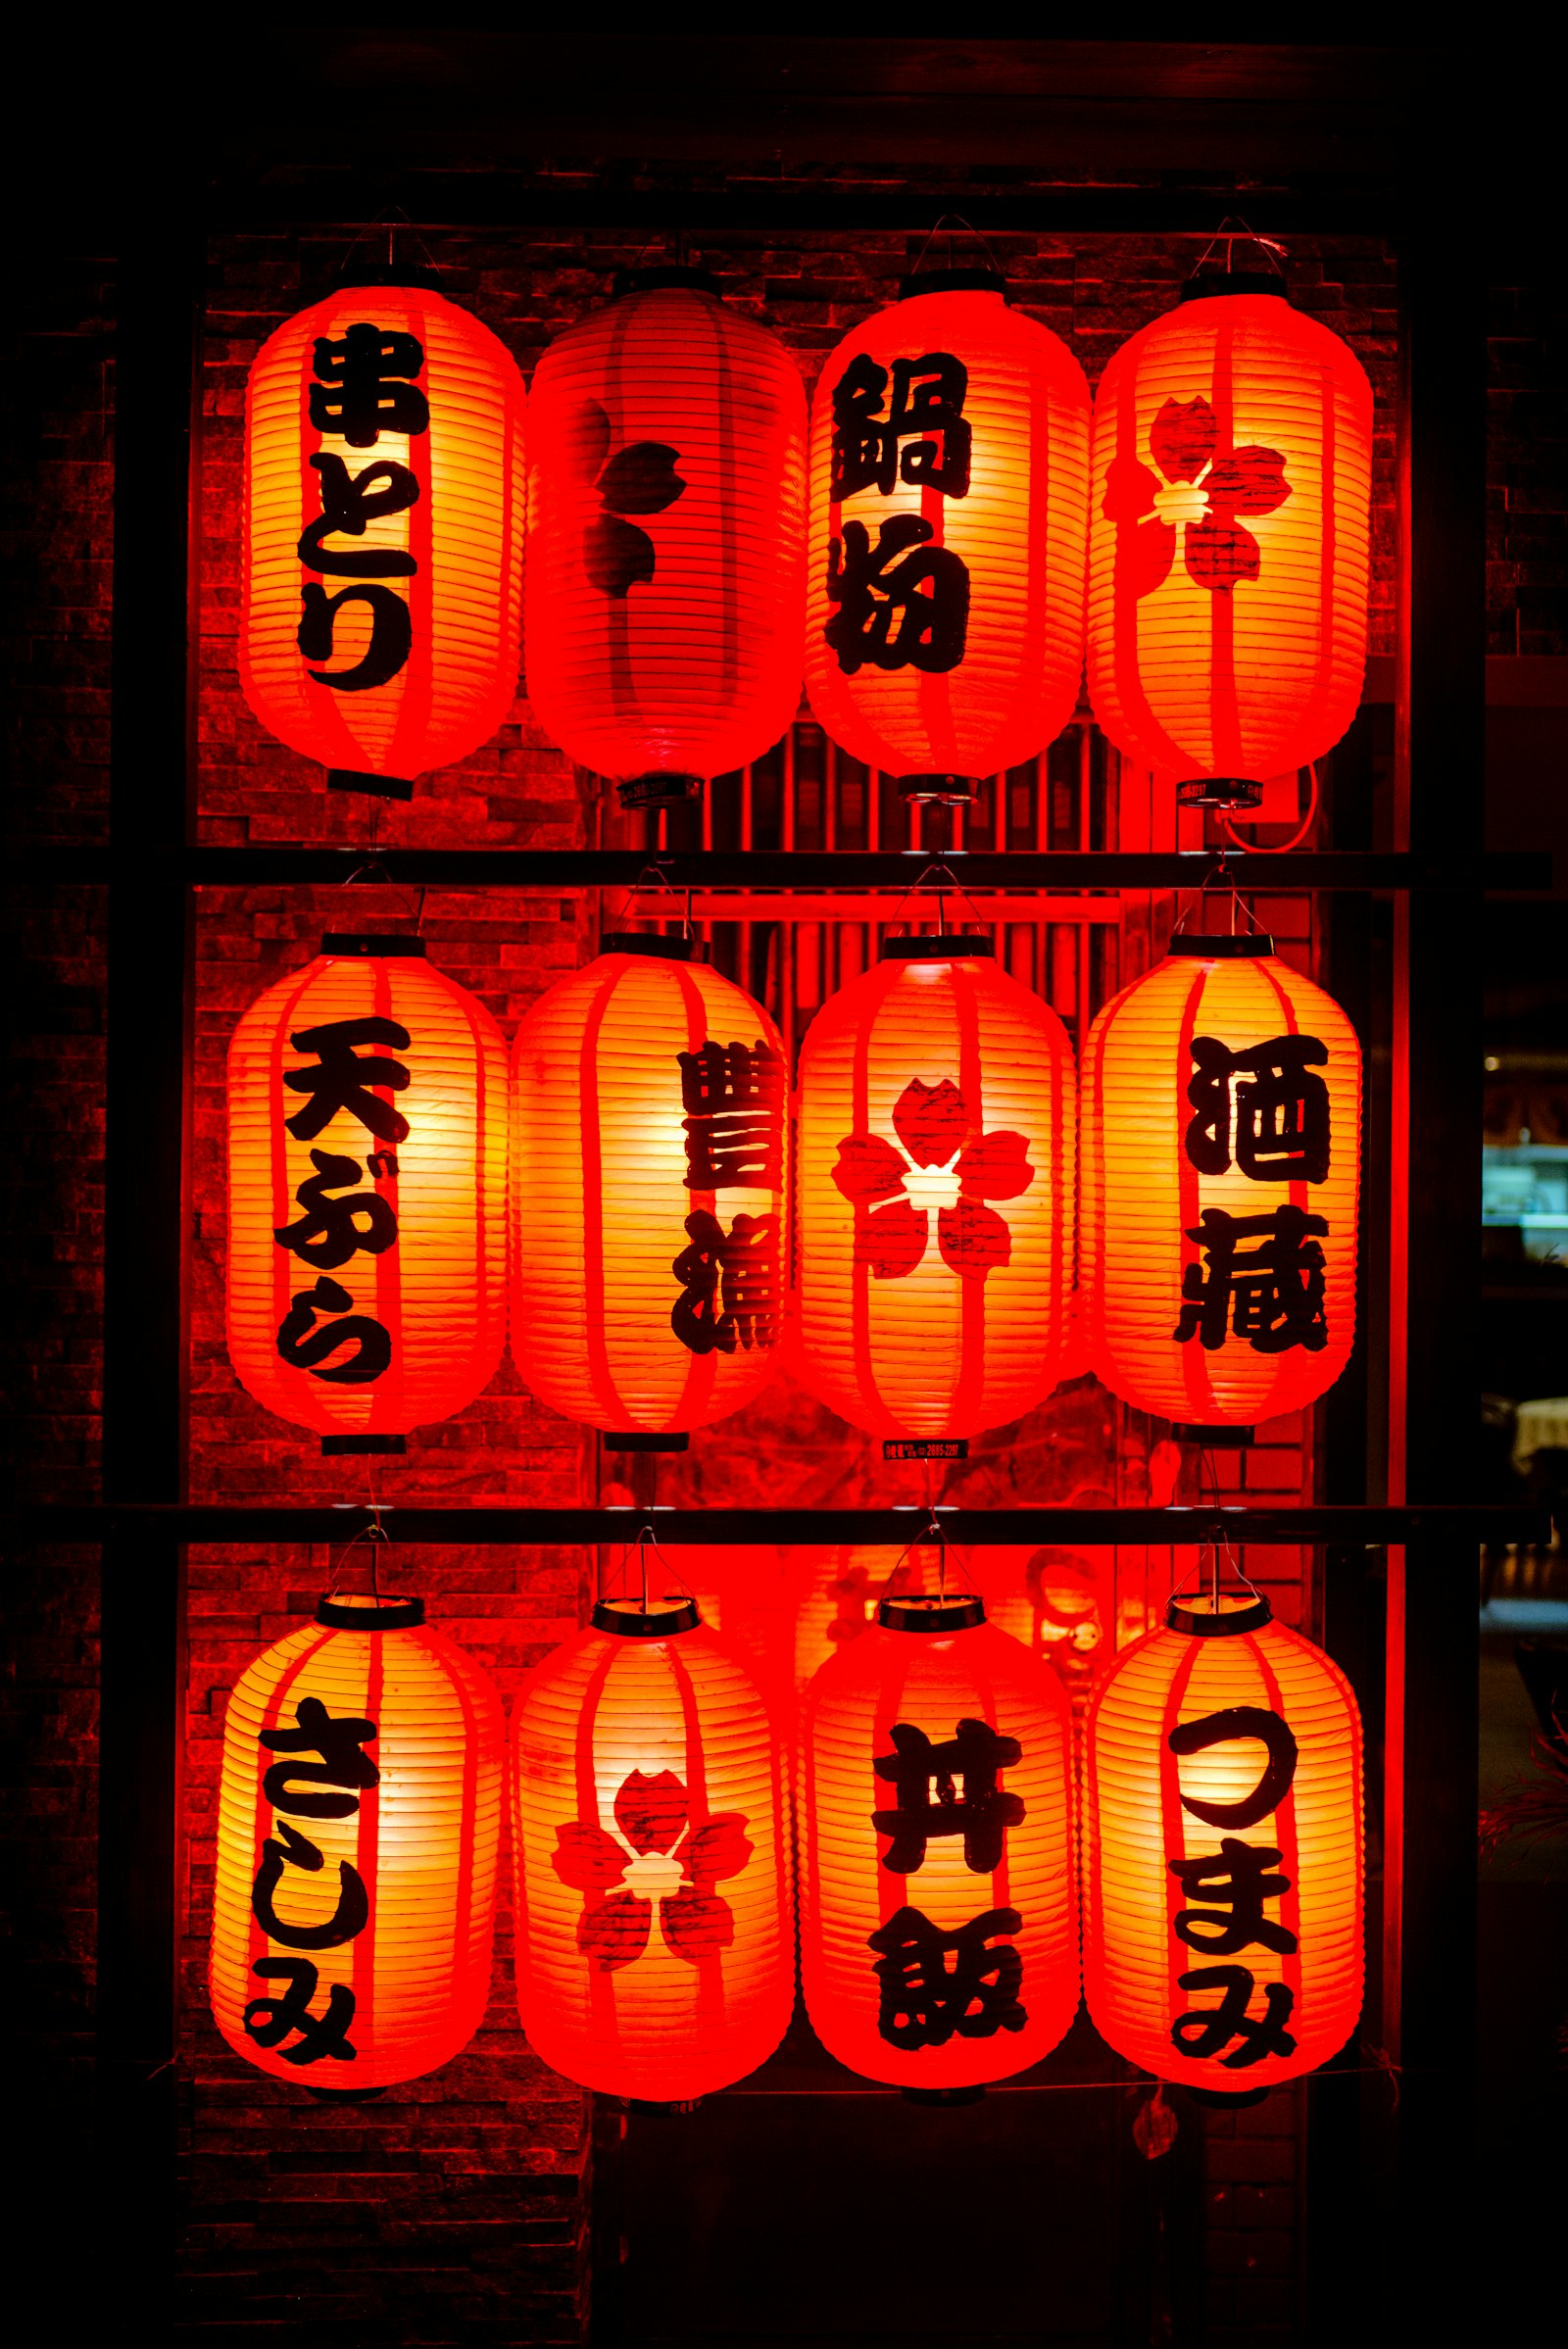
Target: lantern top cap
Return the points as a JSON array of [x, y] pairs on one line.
[[654, 943], [370, 1614], [659, 1619], [1206, 283], [970, 280], [935, 950], [363, 944], [1209, 1618], [661, 276], [1194, 947], [931, 1611]]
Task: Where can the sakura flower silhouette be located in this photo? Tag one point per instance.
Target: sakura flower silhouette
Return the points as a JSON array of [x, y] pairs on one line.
[[1199, 490], [891, 1231], [676, 1868], [640, 478]]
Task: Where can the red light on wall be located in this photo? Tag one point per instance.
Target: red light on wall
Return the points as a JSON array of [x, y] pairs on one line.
[[666, 537], [358, 1827], [385, 494], [367, 1194], [1223, 1851], [655, 1946]]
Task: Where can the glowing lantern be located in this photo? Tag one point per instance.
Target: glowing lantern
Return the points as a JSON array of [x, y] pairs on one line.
[[1221, 1121], [1229, 540], [949, 498], [358, 1826], [367, 1181], [939, 1936], [647, 1185], [666, 537], [936, 1141], [1222, 1829], [385, 494], [655, 1950]]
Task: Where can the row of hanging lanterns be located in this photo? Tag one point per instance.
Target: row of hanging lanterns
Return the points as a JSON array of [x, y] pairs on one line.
[[358, 1828], [1212, 1178], [972, 524]]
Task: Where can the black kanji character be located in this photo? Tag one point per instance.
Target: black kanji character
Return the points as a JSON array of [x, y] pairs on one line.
[[1270, 1294], [343, 1081], [348, 502], [1218, 1729], [304, 1346], [926, 594], [366, 385], [925, 1998], [1205, 2030], [744, 1312], [343, 1762], [289, 1848], [329, 1231], [981, 1814], [928, 396], [391, 635], [1235, 1878], [735, 1130], [269, 2020], [1281, 1114]]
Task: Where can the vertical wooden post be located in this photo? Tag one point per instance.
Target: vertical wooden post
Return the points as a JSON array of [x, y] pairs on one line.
[[146, 1320]]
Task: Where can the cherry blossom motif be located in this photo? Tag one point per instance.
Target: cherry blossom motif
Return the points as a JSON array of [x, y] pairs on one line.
[[675, 1871], [893, 1190], [1200, 494]]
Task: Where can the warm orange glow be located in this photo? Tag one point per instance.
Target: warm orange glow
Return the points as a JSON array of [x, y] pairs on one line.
[[382, 1304], [655, 1950], [1229, 539], [648, 1170], [1294, 1966], [1173, 1130], [979, 1845], [936, 1207], [667, 535], [356, 1879], [949, 453], [383, 642]]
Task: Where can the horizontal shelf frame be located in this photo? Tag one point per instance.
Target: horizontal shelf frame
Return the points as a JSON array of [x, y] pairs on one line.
[[832, 869], [486, 1526]]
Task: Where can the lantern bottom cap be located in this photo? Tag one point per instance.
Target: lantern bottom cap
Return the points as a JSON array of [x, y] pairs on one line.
[[931, 1611], [661, 2106], [662, 1618], [1226, 1618], [344, 2096], [975, 2094], [638, 1440], [944, 791], [335, 1448], [1213, 1438], [1219, 791], [658, 790], [375, 787], [1226, 2099]]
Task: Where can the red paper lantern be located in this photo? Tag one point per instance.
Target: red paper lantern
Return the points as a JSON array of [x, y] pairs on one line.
[[1229, 538], [357, 1825], [647, 1185], [385, 494], [666, 537], [366, 1195], [938, 1935], [1218, 1171], [1223, 1861], [935, 1197], [655, 1948], [949, 453]]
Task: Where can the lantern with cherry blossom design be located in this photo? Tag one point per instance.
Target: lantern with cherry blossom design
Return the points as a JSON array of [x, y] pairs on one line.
[[936, 1207]]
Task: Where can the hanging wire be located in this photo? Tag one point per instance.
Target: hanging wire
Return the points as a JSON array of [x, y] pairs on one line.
[[1256, 847], [1218, 876], [644, 1542], [376, 1534], [1208, 1471], [653, 877], [951, 220], [1231, 231], [948, 879], [392, 218]]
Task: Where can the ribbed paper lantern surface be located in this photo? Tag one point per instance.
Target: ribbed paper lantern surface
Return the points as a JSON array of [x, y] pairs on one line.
[[648, 1170], [935, 1195], [950, 455], [938, 1935], [1229, 538], [1219, 1157], [1223, 1860], [655, 1947], [668, 537], [384, 497], [367, 1194], [358, 1826]]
